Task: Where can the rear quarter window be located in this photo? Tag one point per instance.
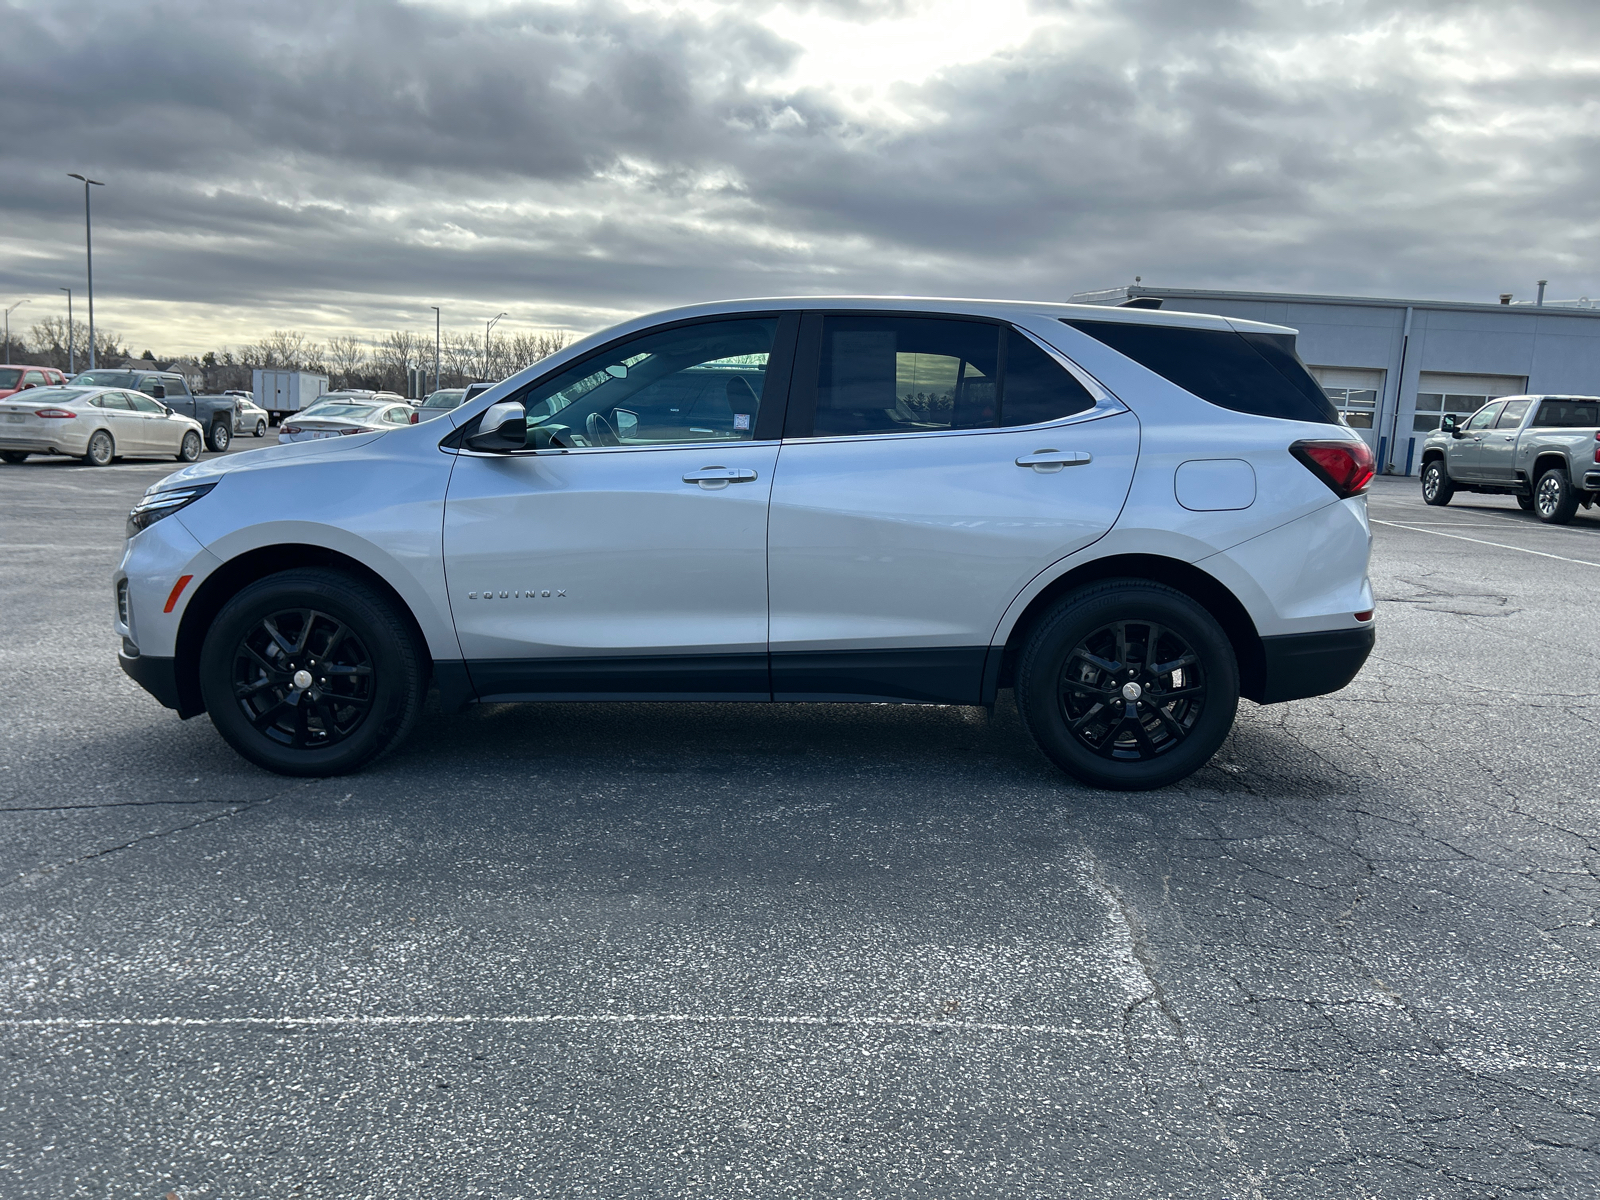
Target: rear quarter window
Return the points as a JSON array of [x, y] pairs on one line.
[[1256, 373]]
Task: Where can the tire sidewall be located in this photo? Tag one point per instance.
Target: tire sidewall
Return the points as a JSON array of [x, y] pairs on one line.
[[220, 437], [184, 454], [1081, 613], [339, 597], [1442, 488], [1566, 503], [261, 429], [88, 453]]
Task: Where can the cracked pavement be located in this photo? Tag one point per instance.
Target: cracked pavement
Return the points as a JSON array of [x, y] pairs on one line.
[[711, 950]]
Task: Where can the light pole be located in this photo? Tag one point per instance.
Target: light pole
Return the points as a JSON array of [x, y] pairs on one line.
[[488, 325], [9, 311], [72, 359], [88, 253], [435, 347]]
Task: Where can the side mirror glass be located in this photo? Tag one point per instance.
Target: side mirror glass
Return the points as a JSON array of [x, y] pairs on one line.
[[1448, 425], [504, 427], [627, 423]]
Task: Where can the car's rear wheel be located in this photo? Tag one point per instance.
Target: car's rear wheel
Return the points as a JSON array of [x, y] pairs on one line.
[[261, 428], [13, 456], [190, 450], [1555, 500], [1128, 684], [1436, 486], [311, 672], [101, 449], [221, 435]]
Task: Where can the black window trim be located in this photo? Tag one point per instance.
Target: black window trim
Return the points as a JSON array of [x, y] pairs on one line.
[[802, 412], [769, 420]]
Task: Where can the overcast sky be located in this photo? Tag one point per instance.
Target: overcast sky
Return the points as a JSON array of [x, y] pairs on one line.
[[339, 167]]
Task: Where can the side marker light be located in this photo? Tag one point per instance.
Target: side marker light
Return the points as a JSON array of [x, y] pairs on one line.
[[177, 590]]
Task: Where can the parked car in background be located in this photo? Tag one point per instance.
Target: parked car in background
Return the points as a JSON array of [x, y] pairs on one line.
[[1131, 518], [96, 424], [1544, 450], [440, 402], [214, 413], [339, 418], [248, 417], [19, 379]]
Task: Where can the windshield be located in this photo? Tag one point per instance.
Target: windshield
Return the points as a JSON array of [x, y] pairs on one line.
[[448, 398], [9, 377], [107, 379], [345, 412]]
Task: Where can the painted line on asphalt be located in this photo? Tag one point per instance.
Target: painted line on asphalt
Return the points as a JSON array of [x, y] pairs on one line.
[[615, 1019], [1582, 562]]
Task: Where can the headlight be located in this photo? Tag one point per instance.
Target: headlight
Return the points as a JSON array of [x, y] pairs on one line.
[[163, 504]]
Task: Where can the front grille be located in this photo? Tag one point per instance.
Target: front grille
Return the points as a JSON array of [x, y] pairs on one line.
[[122, 602]]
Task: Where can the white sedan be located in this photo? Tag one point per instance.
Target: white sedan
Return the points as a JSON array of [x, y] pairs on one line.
[[97, 425], [324, 420]]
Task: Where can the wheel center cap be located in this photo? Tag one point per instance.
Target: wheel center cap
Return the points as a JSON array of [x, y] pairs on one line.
[[1130, 691], [302, 680]]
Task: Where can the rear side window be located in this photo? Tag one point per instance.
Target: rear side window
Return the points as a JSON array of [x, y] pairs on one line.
[[1257, 373], [1568, 414]]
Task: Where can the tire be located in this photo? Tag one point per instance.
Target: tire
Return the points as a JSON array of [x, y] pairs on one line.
[[1065, 679], [101, 449], [261, 428], [13, 456], [1555, 500], [1436, 486], [219, 437], [190, 450], [248, 674], [1525, 503]]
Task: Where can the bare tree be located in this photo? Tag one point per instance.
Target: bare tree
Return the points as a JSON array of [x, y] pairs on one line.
[[526, 349], [346, 356], [463, 356], [397, 350]]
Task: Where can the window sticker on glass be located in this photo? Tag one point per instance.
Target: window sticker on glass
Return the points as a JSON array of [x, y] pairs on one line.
[[741, 420]]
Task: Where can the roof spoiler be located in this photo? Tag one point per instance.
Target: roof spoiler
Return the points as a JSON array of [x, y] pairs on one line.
[[1141, 302]]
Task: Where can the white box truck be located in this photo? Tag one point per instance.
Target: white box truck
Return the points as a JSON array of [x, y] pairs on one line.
[[285, 392]]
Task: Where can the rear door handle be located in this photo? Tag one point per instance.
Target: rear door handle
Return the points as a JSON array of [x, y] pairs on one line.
[[1047, 462], [713, 478]]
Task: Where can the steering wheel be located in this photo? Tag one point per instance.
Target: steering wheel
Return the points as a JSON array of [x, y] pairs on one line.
[[599, 431]]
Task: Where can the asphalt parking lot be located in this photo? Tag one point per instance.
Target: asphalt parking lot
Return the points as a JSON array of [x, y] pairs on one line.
[[709, 950]]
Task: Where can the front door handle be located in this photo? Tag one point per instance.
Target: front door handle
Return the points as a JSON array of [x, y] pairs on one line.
[[1047, 462], [713, 478]]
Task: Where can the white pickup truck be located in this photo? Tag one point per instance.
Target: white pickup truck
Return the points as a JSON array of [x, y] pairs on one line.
[[1544, 450]]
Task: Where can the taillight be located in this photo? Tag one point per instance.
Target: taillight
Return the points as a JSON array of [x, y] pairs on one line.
[[357, 429], [414, 417], [291, 430], [1346, 467], [55, 414]]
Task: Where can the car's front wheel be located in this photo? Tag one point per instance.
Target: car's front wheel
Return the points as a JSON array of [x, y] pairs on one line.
[[101, 449], [190, 450], [1128, 684], [1436, 486], [261, 428], [1555, 500], [311, 672]]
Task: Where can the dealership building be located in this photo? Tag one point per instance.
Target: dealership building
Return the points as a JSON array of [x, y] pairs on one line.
[[1396, 367]]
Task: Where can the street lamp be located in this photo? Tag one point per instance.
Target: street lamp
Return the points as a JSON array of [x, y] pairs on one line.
[[88, 253], [72, 359], [9, 311], [488, 325], [435, 308]]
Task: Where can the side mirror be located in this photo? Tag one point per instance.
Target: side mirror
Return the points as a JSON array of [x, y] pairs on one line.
[[504, 427], [627, 422], [1448, 425], [158, 392], [167, 409]]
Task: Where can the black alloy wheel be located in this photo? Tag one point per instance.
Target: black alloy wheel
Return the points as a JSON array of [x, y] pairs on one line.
[[221, 435], [190, 450], [311, 672], [1436, 486], [1128, 685], [1555, 500], [101, 449]]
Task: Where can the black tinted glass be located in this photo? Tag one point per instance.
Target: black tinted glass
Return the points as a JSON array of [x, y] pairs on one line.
[[1568, 414], [905, 375], [1250, 373], [1037, 388]]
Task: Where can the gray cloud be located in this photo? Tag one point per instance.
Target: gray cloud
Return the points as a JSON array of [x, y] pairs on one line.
[[353, 163]]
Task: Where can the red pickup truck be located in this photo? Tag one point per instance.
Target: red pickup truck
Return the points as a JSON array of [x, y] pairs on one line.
[[20, 379]]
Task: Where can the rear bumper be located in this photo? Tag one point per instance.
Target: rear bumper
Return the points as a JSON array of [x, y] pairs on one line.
[[158, 676], [1313, 664]]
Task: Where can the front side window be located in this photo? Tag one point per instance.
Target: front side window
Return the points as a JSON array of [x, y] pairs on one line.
[[1484, 417], [115, 401], [1511, 415], [1568, 414], [143, 403], [695, 383], [894, 374]]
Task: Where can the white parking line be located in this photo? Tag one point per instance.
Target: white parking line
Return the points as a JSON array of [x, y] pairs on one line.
[[1582, 562]]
